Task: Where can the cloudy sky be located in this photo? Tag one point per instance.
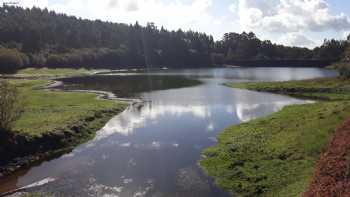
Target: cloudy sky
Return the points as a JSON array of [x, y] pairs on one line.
[[291, 22]]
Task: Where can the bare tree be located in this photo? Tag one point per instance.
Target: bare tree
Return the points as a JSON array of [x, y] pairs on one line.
[[10, 105]]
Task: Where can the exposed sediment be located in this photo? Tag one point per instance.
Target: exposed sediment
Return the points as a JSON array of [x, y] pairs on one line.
[[332, 173]]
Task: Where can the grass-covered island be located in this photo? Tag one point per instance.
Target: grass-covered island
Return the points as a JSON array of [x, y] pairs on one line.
[[51, 121], [277, 155]]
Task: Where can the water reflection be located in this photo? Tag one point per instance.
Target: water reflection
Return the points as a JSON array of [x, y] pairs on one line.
[[246, 112], [127, 85], [153, 149], [253, 73], [134, 118]]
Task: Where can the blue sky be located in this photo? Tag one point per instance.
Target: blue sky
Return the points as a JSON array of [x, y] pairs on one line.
[[290, 22], [339, 6]]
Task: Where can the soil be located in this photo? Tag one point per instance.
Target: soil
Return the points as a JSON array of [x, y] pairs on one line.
[[332, 172]]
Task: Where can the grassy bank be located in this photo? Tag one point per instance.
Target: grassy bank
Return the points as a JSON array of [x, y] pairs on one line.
[[50, 72], [329, 89], [52, 121], [276, 155], [46, 111]]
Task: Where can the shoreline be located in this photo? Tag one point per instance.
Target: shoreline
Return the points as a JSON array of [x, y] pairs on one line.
[[36, 149], [277, 155], [104, 95], [28, 150], [58, 142]]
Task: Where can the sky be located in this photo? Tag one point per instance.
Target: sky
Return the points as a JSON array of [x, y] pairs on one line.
[[304, 23]]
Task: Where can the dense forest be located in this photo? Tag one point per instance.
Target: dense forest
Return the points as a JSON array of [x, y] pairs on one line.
[[39, 37]]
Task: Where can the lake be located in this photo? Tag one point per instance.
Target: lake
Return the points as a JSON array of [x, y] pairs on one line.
[[153, 149]]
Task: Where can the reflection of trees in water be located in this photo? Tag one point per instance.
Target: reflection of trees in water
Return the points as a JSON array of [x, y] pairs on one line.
[[129, 85]]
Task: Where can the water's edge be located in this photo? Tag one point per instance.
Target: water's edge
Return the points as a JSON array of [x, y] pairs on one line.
[[23, 152]]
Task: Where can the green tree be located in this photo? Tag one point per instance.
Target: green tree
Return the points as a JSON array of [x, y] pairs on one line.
[[11, 60]]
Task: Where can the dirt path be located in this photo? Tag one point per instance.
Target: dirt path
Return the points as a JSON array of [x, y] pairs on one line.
[[332, 172]]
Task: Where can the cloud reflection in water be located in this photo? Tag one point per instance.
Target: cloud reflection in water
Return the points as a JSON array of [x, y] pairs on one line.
[[126, 123], [133, 118]]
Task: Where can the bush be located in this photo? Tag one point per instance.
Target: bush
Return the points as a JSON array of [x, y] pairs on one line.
[[10, 106], [11, 60]]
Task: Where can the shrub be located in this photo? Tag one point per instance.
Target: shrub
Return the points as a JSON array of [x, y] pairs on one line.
[[10, 106]]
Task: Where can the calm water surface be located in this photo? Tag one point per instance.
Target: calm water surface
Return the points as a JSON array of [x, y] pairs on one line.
[[153, 149]]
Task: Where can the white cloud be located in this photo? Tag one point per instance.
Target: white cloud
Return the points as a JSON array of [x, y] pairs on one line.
[[290, 16], [187, 15], [175, 14], [113, 3], [31, 3], [132, 6], [282, 21], [345, 34], [233, 8], [296, 39], [291, 22]]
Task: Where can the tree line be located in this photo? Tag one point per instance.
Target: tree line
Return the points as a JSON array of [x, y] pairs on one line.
[[42, 38]]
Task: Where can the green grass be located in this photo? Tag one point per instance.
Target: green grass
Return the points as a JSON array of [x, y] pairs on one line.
[[50, 72], [322, 89], [37, 194], [47, 111], [276, 155]]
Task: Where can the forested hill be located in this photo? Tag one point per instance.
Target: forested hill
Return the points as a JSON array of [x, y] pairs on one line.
[[36, 37]]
